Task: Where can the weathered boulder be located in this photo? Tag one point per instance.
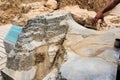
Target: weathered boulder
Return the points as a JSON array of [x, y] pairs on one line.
[[39, 47], [44, 42]]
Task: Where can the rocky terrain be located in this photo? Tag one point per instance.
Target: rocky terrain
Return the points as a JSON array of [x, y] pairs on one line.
[[49, 46], [82, 11], [58, 42]]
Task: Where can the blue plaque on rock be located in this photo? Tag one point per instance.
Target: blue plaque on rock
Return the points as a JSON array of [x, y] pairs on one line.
[[13, 33]]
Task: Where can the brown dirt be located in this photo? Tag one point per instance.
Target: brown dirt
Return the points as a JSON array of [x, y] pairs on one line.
[[86, 4], [10, 8]]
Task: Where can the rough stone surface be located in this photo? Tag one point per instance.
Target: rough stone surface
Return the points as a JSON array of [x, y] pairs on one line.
[[84, 18], [87, 54], [111, 21], [39, 44], [90, 55], [87, 68], [8, 46], [11, 12], [46, 39]]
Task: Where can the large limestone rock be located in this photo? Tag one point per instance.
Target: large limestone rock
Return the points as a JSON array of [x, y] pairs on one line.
[[42, 46], [39, 48]]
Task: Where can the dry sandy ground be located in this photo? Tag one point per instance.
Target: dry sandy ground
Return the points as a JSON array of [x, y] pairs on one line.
[[9, 9]]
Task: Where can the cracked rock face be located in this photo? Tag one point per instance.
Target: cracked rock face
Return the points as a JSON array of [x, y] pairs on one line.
[[39, 44]]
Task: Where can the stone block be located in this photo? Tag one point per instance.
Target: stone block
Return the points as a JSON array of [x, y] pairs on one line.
[[38, 34]]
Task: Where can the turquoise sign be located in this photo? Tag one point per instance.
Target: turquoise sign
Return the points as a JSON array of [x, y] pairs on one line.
[[13, 33]]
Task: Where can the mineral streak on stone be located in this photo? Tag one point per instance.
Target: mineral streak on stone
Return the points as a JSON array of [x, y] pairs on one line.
[[39, 44]]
